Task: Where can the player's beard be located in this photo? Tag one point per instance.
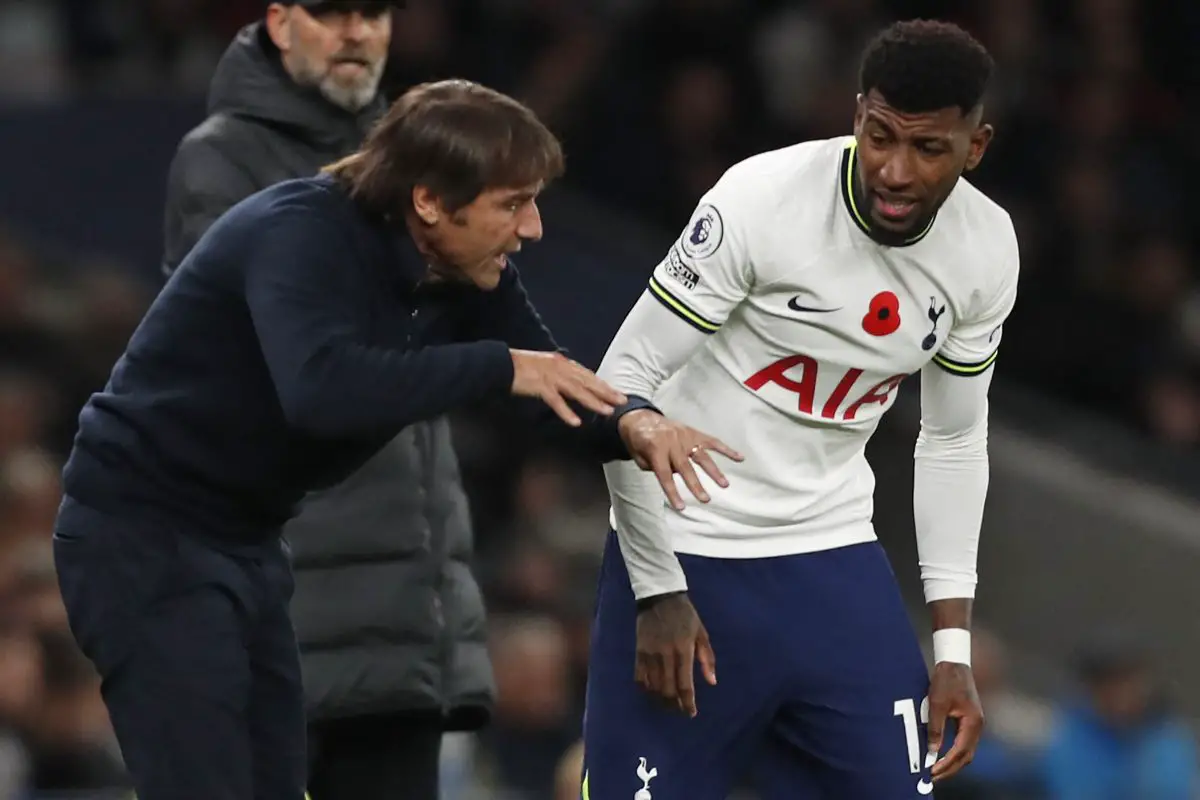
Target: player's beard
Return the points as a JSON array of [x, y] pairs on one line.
[[354, 95]]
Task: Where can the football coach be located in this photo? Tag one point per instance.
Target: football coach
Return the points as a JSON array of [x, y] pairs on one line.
[[310, 324]]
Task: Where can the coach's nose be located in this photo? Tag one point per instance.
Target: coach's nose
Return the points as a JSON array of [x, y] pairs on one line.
[[529, 227]]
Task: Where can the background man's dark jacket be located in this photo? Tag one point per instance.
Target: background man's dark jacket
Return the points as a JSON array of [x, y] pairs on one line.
[[388, 614]]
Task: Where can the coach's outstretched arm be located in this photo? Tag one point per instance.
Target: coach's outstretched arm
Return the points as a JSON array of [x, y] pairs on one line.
[[310, 319], [949, 490], [648, 438]]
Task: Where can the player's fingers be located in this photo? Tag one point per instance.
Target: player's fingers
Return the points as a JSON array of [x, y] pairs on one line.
[[552, 398], [669, 688], [965, 741], [681, 462], [685, 660], [706, 463], [937, 726], [651, 672], [639, 672], [706, 657], [947, 766]]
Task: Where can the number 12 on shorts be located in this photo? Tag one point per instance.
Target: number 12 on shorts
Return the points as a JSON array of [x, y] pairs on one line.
[[906, 709]]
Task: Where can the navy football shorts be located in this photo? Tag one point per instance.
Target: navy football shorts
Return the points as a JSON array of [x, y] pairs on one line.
[[820, 688]]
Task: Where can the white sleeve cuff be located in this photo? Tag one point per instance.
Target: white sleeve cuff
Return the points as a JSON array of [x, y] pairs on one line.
[[947, 589]]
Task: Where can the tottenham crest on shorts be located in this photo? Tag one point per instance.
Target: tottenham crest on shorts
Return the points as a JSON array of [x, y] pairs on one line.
[[704, 233]]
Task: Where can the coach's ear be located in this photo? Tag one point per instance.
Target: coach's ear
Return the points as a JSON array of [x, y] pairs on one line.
[[426, 204]]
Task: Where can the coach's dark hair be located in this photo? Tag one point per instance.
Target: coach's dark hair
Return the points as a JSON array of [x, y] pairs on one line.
[[925, 65], [455, 137]]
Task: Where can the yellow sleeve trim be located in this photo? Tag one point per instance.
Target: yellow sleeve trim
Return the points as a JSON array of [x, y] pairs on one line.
[[965, 369], [679, 309]]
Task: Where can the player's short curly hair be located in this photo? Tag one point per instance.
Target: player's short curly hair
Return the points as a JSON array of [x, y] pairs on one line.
[[926, 65]]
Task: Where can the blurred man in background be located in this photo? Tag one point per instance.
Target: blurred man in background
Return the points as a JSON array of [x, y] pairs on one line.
[[294, 92], [1122, 740]]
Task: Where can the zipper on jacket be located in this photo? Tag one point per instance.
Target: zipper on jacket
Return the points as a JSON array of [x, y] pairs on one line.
[[439, 548]]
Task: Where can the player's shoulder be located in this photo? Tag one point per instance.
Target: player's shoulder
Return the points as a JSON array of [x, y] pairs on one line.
[[753, 179], [981, 224], [760, 200]]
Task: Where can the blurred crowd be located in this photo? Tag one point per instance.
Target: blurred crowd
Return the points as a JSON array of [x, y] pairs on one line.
[[1093, 103], [654, 99]]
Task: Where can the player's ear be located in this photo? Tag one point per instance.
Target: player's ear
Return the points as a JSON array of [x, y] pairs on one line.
[[981, 137], [860, 112]]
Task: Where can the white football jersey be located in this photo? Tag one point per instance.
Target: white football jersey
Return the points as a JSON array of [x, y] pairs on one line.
[[812, 326]]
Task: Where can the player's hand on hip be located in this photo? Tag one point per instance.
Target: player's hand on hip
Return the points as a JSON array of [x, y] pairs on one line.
[[666, 448], [670, 640], [952, 695], [557, 379]]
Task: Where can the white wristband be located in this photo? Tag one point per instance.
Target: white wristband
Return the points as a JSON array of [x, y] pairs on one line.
[[952, 645]]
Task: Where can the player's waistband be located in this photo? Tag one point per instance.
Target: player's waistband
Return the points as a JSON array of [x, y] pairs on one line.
[[734, 541]]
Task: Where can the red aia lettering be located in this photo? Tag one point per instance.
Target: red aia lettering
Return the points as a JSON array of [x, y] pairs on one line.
[[879, 393], [775, 374], [804, 386]]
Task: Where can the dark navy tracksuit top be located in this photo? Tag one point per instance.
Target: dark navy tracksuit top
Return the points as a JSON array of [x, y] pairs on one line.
[[292, 343]]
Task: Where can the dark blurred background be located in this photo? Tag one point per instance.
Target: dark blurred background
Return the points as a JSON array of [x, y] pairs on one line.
[[1088, 601]]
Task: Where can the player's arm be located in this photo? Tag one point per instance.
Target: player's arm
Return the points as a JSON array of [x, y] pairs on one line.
[[309, 313], [202, 184], [949, 490], [704, 276]]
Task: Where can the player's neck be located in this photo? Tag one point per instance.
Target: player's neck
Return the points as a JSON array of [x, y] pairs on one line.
[[859, 204]]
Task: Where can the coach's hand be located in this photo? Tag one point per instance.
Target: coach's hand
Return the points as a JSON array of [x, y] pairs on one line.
[[556, 379], [670, 639], [952, 695], [665, 447]]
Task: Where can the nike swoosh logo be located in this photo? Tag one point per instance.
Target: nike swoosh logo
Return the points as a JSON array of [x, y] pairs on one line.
[[794, 306]]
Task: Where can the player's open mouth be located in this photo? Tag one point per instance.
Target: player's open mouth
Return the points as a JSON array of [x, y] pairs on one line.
[[894, 209]]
